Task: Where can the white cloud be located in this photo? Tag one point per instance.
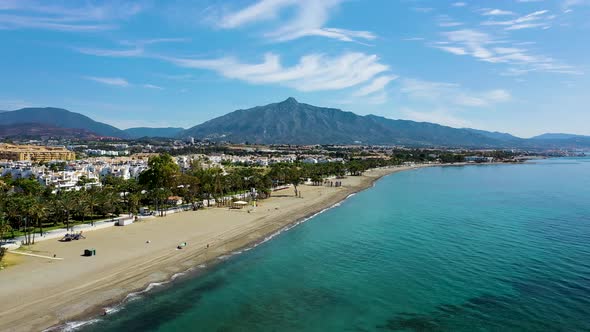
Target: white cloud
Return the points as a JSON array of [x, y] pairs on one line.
[[497, 12], [442, 102], [77, 17], [378, 84], [133, 52], [453, 50], [313, 72], [262, 10], [566, 4], [309, 20], [151, 86], [446, 21], [116, 81], [378, 99], [485, 47], [138, 48], [459, 4], [536, 19], [422, 9], [450, 94], [440, 116], [449, 24]]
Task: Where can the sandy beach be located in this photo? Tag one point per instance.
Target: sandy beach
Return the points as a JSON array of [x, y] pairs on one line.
[[37, 293]]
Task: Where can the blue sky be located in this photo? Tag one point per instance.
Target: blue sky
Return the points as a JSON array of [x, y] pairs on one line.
[[519, 66]]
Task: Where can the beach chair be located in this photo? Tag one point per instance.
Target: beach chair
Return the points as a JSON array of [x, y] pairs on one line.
[[67, 237], [78, 236]]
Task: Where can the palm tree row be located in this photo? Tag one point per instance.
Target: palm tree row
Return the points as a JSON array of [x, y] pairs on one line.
[[27, 207]]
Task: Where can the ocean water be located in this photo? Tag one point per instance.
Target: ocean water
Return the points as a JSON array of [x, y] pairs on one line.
[[476, 248]]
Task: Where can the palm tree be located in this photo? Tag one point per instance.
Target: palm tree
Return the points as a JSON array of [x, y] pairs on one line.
[[66, 202], [133, 201], [37, 213], [81, 208], [92, 201]]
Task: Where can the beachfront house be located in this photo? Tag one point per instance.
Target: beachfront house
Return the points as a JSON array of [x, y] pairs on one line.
[[174, 200]]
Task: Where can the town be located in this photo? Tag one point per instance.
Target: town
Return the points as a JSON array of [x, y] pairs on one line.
[[76, 166]]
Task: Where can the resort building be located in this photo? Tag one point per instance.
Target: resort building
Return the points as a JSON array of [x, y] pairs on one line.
[[35, 153]]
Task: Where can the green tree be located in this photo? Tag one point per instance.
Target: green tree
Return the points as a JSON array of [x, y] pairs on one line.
[[161, 176], [82, 208], [93, 200], [4, 226], [66, 202]]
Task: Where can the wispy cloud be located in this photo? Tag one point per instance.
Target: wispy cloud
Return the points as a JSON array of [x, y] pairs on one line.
[[440, 115], [566, 4], [309, 19], [443, 102], [458, 4], [73, 17], [496, 12], [377, 85], [313, 72], [151, 86], [422, 9], [485, 47], [133, 52], [537, 19], [121, 82], [116, 81], [451, 94], [137, 48], [446, 21], [414, 39]]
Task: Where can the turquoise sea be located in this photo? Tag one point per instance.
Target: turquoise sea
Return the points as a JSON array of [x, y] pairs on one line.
[[476, 248]]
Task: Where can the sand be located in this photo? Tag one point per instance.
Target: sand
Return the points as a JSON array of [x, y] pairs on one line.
[[38, 293]]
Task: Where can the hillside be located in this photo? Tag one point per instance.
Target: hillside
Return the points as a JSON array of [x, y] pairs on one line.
[[59, 118], [291, 122], [496, 135], [558, 136], [139, 132], [35, 130]]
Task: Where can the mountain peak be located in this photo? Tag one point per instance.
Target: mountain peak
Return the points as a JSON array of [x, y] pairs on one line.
[[291, 101]]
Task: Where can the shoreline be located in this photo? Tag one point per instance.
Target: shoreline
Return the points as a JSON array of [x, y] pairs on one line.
[[86, 301], [91, 316]]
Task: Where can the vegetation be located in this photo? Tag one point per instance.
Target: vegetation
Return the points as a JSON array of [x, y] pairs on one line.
[[28, 208]]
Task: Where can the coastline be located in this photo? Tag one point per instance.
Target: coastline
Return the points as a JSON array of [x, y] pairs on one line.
[[73, 299]]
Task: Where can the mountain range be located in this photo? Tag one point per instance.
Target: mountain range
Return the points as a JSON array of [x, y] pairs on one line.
[[139, 132], [286, 122]]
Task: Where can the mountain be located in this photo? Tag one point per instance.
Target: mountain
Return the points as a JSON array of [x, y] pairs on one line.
[[59, 118], [495, 135], [140, 132], [36, 130], [291, 122], [287, 122], [557, 136]]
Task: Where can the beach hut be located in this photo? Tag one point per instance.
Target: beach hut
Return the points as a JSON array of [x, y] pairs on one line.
[[174, 200], [125, 221], [239, 204]]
